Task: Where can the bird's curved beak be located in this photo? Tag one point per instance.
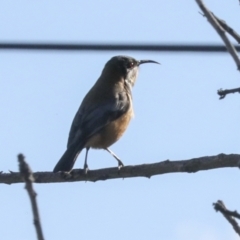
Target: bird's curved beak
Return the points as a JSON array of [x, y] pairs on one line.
[[147, 61]]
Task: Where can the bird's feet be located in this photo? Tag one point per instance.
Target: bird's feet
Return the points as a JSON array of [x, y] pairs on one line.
[[66, 175], [120, 164], [85, 168]]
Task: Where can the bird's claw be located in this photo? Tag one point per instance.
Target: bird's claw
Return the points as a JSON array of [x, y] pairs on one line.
[[66, 175], [86, 169], [120, 165]]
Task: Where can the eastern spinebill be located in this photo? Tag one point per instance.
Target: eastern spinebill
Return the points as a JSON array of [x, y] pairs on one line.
[[104, 113]]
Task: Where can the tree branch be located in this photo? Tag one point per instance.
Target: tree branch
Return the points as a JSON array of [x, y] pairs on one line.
[[223, 93], [227, 28], [144, 170], [219, 206], [218, 26], [26, 174]]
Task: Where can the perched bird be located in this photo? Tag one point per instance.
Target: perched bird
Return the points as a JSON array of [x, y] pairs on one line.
[[104, 113]]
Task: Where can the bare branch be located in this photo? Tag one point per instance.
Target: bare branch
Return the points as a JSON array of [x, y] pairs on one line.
[[144, 170], [227, 28], [223, 93], [26, 174], [219, 206], [221, 31]]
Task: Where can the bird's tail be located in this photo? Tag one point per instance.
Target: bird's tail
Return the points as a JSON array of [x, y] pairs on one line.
[[67, 160]]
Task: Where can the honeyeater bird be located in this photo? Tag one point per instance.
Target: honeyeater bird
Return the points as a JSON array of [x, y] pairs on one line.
[[104, 113]]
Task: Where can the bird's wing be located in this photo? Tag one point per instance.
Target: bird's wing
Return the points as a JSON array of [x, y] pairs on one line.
[[92, 119]]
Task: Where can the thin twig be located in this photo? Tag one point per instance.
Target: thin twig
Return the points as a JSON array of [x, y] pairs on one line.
[[220, 30], [27, 176], [223, 93], [144, 170], [219, 206], [227, 28]]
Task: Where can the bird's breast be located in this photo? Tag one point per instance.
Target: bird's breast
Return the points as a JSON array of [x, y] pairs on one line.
[[111, 132]]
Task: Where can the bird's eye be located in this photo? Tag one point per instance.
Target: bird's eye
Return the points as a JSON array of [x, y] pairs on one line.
[[130, 65]]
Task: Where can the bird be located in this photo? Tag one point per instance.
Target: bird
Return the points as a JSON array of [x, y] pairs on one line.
[[104, 113]]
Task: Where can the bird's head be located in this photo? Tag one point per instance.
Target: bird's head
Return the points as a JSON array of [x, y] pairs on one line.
[[126, 66]]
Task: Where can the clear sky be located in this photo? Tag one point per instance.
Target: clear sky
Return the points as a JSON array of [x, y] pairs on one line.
[[177, 116]]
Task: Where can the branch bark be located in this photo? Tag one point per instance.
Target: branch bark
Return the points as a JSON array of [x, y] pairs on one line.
[[229, 215], [223, 93], [144, 170], [219, 26], [227, 28], [27, 176]]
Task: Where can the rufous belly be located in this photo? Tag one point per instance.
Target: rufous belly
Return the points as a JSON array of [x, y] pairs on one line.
[[111, 132]]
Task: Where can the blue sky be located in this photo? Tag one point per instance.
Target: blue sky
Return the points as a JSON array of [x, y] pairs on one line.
[[177, 116]]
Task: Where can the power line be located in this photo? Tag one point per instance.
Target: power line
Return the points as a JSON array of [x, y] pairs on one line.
[[214, 48]]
